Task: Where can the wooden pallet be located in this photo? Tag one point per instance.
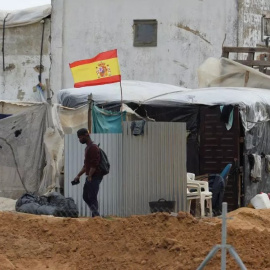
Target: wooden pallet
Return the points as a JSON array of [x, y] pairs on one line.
[[262, 63]]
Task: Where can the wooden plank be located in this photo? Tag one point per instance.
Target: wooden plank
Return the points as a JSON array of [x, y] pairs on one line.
[[254, 63], [244, 50], [218, 147]]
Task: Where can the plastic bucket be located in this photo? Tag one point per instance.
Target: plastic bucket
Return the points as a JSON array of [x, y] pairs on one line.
[[162, 206]]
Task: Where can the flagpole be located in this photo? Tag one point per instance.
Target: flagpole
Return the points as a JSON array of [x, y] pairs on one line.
[[121, 95], [121, 109]]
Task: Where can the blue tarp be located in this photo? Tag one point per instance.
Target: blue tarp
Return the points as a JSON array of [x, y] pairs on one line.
[[2, 116], [104, 121]]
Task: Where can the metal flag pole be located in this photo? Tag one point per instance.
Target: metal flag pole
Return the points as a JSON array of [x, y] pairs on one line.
[[90, 104], [223, 246], [121, 109]]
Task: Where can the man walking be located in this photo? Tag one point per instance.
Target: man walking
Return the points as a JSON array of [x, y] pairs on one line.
[[92, 171]]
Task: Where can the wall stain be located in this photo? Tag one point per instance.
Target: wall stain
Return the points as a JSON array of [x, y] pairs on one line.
[[38, 67], [195, 32], [181, 65], [10, 67], [20, 95]]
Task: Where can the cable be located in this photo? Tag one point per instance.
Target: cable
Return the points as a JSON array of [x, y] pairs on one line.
[[3, 43], [41, 50], [14, 161]]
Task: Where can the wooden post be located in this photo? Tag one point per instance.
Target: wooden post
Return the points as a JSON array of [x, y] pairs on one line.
[[90, 103]]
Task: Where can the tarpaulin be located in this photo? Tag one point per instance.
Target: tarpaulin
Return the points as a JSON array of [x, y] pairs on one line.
[[2, 116], [22, 151], [30, 150], [25, 16], [104, 121]]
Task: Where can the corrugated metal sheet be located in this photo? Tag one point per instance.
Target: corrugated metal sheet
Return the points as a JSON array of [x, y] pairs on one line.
[[153, 167], [110, 188]]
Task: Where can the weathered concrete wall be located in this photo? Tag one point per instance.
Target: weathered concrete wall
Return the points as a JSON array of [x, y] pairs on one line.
[[188, 33], [22, 48], [249, 24]]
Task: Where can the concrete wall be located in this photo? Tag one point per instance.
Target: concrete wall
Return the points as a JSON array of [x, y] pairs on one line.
[[22, 47], [188, 33], [249, 24]]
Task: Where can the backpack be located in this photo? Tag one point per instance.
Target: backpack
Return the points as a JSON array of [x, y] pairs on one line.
[[104, 164]]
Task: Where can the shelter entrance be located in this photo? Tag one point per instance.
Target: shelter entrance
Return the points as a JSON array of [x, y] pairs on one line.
[[219, 147]]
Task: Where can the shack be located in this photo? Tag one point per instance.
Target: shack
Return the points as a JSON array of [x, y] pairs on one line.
[[224, 125]]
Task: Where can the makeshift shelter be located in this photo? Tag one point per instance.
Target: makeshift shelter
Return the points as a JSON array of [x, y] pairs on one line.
[[211, 142], [31, 149]]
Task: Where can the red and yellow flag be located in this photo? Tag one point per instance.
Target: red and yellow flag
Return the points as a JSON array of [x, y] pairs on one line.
[[102, 69]]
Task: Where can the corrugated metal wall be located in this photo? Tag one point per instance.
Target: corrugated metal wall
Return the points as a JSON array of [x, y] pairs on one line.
[[153, 167], [110, 189]]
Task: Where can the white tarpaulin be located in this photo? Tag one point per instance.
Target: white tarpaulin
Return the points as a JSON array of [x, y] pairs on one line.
[[228, 73], [253, 102], [24, 16], [133, 91]]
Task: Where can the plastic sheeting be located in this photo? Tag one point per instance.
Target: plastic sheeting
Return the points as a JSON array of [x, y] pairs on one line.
[[24, 16], [22, 152], [228, 73], [253, 102], [73, 119], [257, 141], [133, 91], [105, 121], [31, 150], [53, 204]]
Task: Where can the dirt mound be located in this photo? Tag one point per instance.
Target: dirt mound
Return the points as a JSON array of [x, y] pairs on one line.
[[249, 218], [156, 241]]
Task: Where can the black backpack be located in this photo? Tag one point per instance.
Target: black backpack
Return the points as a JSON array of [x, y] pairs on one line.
[[104, 164]]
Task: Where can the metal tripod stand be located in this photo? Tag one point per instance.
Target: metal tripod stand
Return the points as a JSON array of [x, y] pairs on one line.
[[224, 247]]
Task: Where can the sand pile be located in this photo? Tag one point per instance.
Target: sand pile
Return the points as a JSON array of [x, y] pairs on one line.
[[157, 241]]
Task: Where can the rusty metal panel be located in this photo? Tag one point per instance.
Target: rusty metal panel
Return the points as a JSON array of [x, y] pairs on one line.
[[218, 147], [154, 166]]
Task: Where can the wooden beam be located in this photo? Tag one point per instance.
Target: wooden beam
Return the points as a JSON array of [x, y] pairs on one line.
[[254, 63], [245, 50]]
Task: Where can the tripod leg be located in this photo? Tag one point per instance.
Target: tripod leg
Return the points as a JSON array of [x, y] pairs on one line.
[[210, 255], [237, 258]]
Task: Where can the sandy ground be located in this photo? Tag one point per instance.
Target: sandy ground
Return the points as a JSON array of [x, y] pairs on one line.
[[156, 241]]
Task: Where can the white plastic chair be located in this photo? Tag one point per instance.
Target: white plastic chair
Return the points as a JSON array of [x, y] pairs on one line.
[[197, 193]]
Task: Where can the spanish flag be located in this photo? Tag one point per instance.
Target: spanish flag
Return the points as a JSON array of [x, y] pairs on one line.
[[102, 69]]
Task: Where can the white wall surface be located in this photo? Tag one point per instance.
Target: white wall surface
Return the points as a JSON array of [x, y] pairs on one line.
[[188, 33], [250, 15], [22, 47]]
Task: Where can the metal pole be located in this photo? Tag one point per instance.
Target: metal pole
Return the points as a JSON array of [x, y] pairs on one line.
[[121, 109], [90, 101], [237, 258], [224, 236], [210, 255], [223, 246]]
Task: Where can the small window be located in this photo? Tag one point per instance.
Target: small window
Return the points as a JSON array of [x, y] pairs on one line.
[[265, 27], [145, 33]]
